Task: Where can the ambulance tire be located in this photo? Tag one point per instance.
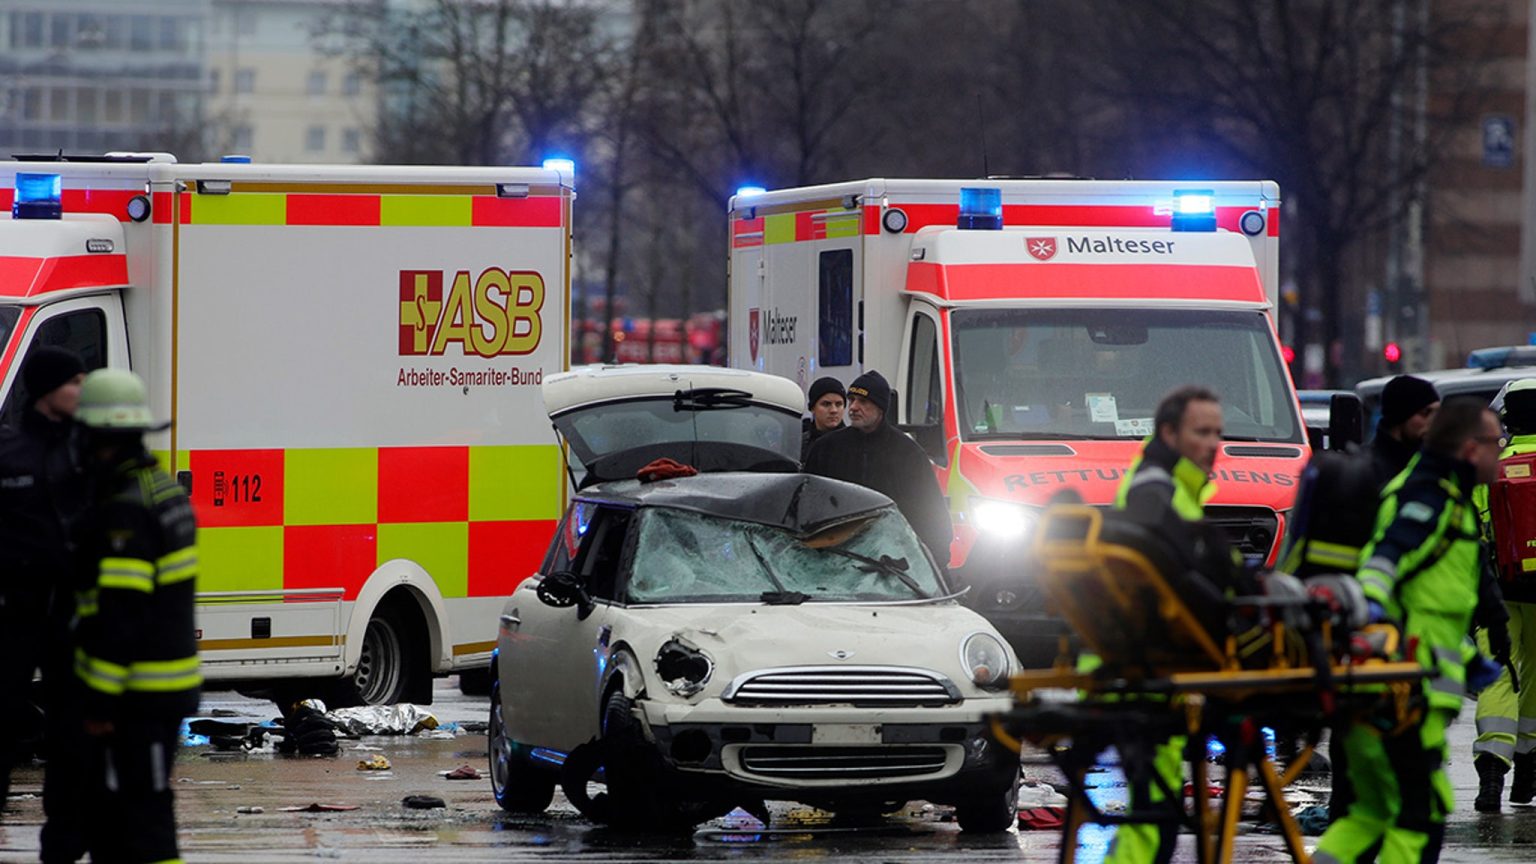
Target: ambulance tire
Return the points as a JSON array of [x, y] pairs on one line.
[[392, 667]]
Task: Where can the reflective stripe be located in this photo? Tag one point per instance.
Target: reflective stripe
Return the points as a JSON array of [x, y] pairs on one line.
[[1524, 746], [1380, 565], [162, 676], [1495, 726], [1333, 554], [101, 675], [1527, 726], [1449, 686], [1503, 749], [85, 603], [178, 566], [131, 574], [1151, 474], [1448, 655], [1321, 857]]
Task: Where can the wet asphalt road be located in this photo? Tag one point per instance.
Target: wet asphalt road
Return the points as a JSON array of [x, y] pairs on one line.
[[211, 788]]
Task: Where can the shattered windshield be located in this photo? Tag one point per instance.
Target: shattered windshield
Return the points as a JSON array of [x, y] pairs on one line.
[[1099, 373], [686, 557]]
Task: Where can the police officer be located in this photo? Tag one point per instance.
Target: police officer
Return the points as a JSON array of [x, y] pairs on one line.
[[1167, 487], [43, 492], [826, 401], [873, 453], [1506, 720], [1422, 569], [136, 653], [1408, 404]]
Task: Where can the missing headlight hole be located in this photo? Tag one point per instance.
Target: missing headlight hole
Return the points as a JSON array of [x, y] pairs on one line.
[[683, 667]]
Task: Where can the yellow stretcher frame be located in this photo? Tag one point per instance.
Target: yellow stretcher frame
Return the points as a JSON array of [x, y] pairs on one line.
[[1196, 691]]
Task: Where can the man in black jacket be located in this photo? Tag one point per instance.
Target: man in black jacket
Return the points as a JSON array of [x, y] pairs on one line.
[[1408, 404], [875, 454], [43, 493], [826, 402]]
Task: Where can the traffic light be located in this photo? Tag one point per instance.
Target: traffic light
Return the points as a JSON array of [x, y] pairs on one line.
[[1393, 354], [1288, 354]]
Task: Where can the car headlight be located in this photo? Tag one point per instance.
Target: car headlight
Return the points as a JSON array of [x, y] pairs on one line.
[[985, 659], [1004, 520]]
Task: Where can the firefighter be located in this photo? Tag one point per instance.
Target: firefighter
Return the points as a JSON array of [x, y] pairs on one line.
[[873, 453], [136, 649], [43, 492], [1167, 486], [1422, 569], [1506, 720], [1408, 405], [826, 402]]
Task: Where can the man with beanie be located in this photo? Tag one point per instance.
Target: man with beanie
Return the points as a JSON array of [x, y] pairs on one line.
[[875, 454], [1408, 404], [825, 401], [44, 492]]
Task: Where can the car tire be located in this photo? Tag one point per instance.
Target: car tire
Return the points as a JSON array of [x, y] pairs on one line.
[[475, 682], [392, 665], [518, 785], [992, 813], [639, 800]]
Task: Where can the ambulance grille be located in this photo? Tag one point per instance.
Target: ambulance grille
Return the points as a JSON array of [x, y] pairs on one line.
[[1251, 530], [836, 763], [876, 686]]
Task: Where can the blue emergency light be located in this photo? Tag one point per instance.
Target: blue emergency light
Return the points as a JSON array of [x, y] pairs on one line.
[[746, 191], [566, 167], [981, 209], [38, 196], [1194, 210], [235, 159]]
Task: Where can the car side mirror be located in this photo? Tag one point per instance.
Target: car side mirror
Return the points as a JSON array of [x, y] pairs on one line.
[[931, 439], [1346, 421], [563, 589]]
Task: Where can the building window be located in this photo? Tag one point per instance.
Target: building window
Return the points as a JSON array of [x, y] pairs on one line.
[[114, 106], [170, 34], [213, 80], [242, 139], [245, 81], [314, 139], [29, 33], [245, 23], [141, 30], [315, 86], [351, 140], [59, 35], [352, 84]]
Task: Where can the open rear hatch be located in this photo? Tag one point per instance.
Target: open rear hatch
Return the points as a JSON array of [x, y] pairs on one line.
[[615, 420]]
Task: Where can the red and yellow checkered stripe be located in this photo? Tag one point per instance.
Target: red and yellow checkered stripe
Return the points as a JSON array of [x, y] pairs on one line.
[[476, 519], [447, 206]]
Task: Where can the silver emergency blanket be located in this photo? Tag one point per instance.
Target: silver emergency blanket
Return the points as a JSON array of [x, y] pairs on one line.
[[401, 719]]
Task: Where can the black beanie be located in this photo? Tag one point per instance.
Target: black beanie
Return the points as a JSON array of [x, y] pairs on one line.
[[872, 386], [48, 367], [822, 387], [1405, 396]]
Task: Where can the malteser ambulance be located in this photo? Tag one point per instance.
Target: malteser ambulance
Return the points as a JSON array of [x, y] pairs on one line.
[[1030, 328], [352, 357]]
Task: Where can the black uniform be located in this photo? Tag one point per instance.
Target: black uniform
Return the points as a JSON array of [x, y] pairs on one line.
[[1389, 457], [809, 435], [889, 462], [43, 492], [137, 657]]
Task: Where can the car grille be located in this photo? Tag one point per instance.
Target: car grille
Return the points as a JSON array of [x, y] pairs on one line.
[[882, 686], [1251, 530], [834, 763]]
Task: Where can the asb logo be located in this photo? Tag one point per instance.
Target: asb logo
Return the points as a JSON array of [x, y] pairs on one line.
[[754, 331], [1043, 248], [494, 314]]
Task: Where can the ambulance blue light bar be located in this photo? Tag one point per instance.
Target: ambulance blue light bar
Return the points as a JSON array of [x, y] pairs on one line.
[[746, 191], [38, 196], [980, 209], [561, 164], [1194, 210]]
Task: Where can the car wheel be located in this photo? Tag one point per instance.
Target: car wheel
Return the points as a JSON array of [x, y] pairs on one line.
[[992, 813], [519, 787], [639, 798], [475, 682]]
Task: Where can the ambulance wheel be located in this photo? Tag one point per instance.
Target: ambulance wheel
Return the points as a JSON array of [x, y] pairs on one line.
[[391, 667]]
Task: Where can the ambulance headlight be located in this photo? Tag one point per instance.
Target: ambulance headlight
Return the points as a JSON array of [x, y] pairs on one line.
[[1194, 210], [1003, 520], [985, 660], [38, 196]]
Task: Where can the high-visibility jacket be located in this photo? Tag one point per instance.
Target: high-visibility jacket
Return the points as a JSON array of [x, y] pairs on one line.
[[1158, 475], [1424, 566], [136, 644], [1519, 445]]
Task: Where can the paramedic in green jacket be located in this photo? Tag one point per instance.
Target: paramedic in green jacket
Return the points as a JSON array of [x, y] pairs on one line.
[[1422, 569]]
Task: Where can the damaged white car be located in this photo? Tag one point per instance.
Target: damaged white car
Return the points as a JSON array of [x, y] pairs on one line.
[[705, 642]]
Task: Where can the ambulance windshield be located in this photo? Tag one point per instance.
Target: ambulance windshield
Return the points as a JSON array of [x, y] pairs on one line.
[[8, 318], [1099, 373]]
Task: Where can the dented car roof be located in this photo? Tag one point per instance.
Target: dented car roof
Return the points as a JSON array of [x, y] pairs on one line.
[[800, 503]]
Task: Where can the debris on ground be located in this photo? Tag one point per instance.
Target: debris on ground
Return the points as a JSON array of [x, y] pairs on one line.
[[319, 808], [376, 762], [250, 811], [1042, 818], [1035, 794], [401, 719], [307, 731], [423, 802], [475, 727], [463, 772]]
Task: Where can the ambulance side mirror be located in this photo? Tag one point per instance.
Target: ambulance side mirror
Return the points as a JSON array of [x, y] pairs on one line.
[[1346, 421]]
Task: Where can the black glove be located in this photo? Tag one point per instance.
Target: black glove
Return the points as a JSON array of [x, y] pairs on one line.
[[1499, 646]]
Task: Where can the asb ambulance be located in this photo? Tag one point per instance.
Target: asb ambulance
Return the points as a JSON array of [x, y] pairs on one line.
[[352, 357], [1030, 328]]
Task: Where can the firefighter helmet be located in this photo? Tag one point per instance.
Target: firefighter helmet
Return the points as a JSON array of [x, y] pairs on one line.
[[114, 399], [1517, 406]]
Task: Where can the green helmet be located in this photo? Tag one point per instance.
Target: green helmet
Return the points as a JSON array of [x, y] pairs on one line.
[[114, 399]]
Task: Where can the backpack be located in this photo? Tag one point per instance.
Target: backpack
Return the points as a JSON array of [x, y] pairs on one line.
[[1334, 516], [1512, 514]]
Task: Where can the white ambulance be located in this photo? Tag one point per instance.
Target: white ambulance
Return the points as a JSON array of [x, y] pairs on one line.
[[352, 357], [1029, 328]]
